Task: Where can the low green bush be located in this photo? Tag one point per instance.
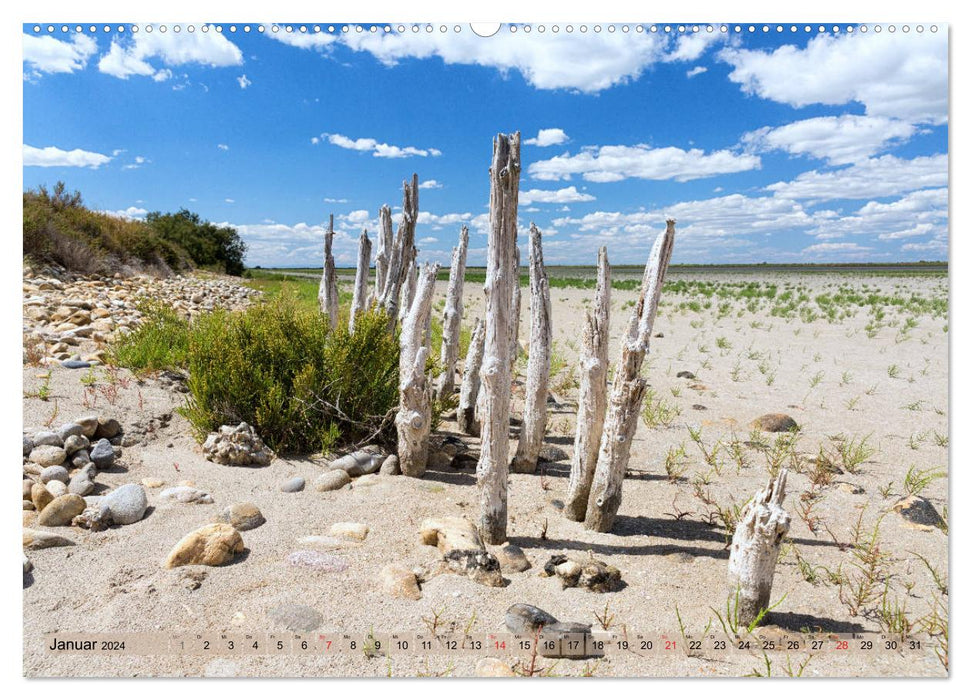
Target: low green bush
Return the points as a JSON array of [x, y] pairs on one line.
[[162, 342]]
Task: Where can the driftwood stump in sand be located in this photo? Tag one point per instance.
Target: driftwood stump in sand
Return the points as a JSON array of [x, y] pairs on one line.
[[359, 301], [381, 260], [408, 288], [627, 393], [327, 294], [414, 413], [515, 307], [538, 368], [452, 320], [469, 393], [493, 467], [403, 252], [592, 400], [755, 550], [462, 549]]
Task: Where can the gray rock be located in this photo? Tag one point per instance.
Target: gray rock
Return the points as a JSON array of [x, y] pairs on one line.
[[107, 428], [81, 459], [82, 483], [293, 485], [74, 443], [48, 455], [685, 374], [126, 504], [89, 425], [332, 480], [918, 512], [552, 453], [364, 461], [775, 423], [55, 473], [242, 516], [27, 565], [527, 619], [295, 617], [390, 466], [75, 364], [102, 454], [47, 437], [185, 494], [69, 429], [28, 445], [57, 488], [512, 559]]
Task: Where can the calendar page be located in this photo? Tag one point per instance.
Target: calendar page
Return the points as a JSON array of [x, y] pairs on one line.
[[419, 349]]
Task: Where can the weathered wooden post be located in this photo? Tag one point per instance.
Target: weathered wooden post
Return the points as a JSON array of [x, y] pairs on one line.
[[627, 393], [403, 252], [327, 294], [414, 413], [385, 243], [592, 401], [469, 393], [755, 549], [514, 318], [493, 468], [359, 300], [538, 368], [408, 287], [452, 320]]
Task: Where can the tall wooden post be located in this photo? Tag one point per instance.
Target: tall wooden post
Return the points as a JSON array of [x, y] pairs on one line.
[[403, 252], [385, 244], [514, 318], [755, 549], [327, 294], [592, 401], [627, 393], [493, 468], [538, 368], [414, 413], [359, 299], [452, 320], [469, 393]]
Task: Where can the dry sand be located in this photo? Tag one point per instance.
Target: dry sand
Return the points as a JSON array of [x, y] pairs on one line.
[[114, 581]]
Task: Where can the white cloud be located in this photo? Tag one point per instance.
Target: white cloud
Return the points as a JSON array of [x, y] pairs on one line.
[[615, 163], [222, 147], [45, 54], [439, 221], [51, 157], [585, 62], [566, 194], [131, 213], [690, 46], [848, 138], [920, 213], [132, 57], [303, 40], [243, 81], [229, 200], [428, 240], [547, 137], [378, 150], [697, 70], [885, 176], [430, 185], [824, 248], [902, 76], [137, 163], [332, 200]]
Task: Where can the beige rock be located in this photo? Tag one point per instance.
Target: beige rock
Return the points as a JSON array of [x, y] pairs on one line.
[[152, 483], [39, 539], [242, 516], [350, 531], [210, 545], [40, 496], [61, 510], [399, 582], [490, 667]]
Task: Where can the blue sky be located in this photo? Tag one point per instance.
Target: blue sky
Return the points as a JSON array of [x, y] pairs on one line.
[[765, 146]]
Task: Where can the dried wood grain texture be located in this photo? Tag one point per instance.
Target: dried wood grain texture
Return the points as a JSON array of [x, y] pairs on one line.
[[493, 468], [627, 393], [383, 257], [514, 318], [327, 294], [538, 367], [359, 300], [452, 318], [755, 550], [592, 400], [469, 392], [414, 412], [403, 252]]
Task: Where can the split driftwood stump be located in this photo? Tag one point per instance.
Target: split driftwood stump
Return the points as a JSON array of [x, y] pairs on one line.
[[359, 301], [327, 294], [755, 550], [493, 468], [627, 393], [385, 243], [538, 368], [592, 401], [469, 393], [516, 307], [415, 413], [452, 320], [403, 252], [408, 287]]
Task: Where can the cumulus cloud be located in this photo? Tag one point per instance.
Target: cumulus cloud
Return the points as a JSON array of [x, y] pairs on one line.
[[430, 185], [885, 176], [222, 147], [53, 157], [377, 149], [920, 213], [561, 196], [134, 56], [131, 213], [690, 46], [819, 249], [697, 70], [898, 76], [243, 81], [45, 54], [848, 138], [138, 162], [333, 200], [547, 137], [615, 163]]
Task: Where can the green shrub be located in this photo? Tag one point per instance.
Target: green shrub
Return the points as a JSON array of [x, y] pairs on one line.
[[161, 342], [303, 388]]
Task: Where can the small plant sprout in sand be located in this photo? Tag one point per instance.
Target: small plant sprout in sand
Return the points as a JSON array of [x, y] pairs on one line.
[[755, 549], [628, 392]]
